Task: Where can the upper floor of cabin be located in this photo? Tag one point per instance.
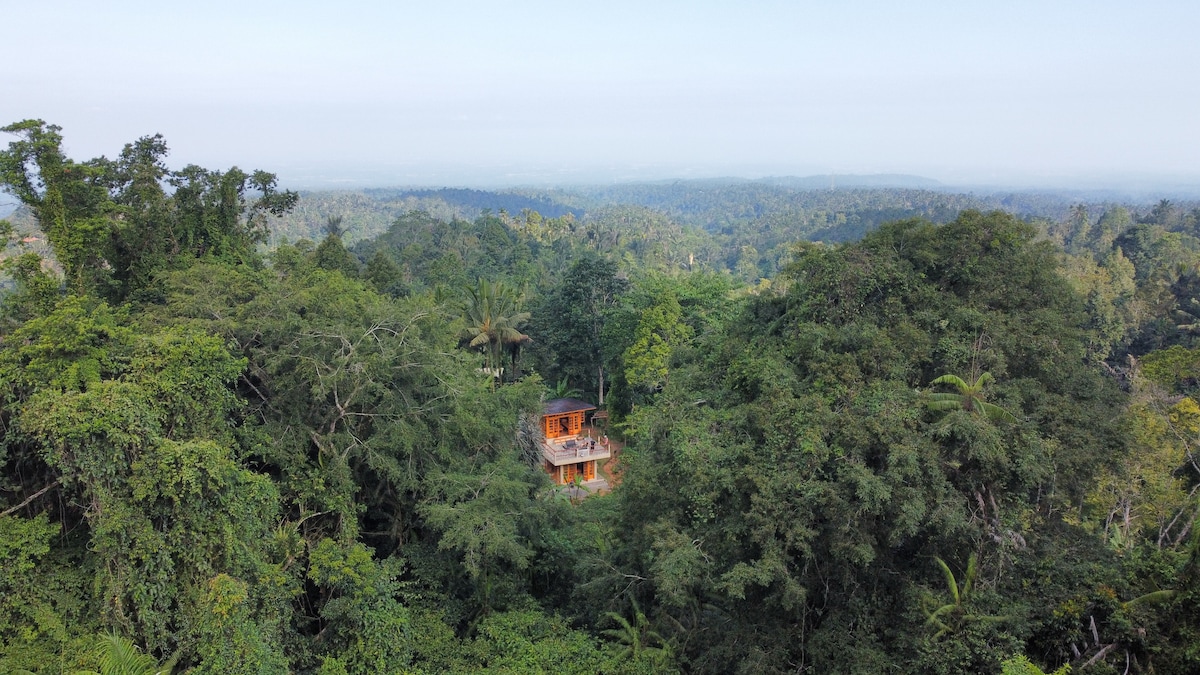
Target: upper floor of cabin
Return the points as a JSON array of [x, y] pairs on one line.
[[565, 417], [563, 423]]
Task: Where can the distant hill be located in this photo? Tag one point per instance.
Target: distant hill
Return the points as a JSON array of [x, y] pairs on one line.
[[761, 212], [368, 213], [790, 211], [835, 181], [468, 200]]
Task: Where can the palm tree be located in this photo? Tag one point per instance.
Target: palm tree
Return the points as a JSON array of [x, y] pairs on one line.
[[333, 226], [577, 490], [493, 324], [969, 398], [635, 640], [563, 389], [119, 656], [949, 617]]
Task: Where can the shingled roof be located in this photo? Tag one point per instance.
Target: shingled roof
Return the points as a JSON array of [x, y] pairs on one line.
[[560, 406]]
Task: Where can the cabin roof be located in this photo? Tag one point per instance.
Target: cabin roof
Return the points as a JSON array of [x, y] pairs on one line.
[[561, 406]]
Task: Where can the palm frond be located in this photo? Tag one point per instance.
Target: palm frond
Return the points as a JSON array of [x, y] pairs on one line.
[[120, 656], [987, 618], [953, 380], [969, 580], [944, 402], [1151, 598], [951, 583], [934, 618], [996, 413]]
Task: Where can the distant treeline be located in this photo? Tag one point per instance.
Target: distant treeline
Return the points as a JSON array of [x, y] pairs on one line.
[[760, 213], [480, 200]]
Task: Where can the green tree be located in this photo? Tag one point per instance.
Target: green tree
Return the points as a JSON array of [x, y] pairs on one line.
[[659, 331], [569, 322], [952, 614], [114, 224], [636, 640], [36, 618], [493, 323], [385, 433], [367, 625], [69, 200], [137, 427], [331, 254], [37, 290], [563, 389], [969, 398], [790, 479], [385, 275]]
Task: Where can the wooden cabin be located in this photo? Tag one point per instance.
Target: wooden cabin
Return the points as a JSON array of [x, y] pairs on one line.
[[567, 450]]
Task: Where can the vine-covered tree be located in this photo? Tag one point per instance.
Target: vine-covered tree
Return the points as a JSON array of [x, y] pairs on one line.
[[114, 223]]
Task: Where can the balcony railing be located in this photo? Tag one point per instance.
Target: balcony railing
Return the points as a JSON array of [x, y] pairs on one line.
[[571, 450]]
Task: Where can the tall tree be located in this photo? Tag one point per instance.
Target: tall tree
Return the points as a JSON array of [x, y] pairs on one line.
[[493, 323], [70, 200], [659, 331], [570, 320], [331, 253], [114, 224]]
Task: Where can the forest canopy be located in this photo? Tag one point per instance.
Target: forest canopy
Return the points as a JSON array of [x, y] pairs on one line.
[[946, 440]]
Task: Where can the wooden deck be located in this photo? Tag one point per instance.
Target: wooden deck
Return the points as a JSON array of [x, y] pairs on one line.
[[572, 450]]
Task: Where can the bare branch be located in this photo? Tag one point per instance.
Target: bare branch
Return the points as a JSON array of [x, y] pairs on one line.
[[1099, 655], [30, 498]]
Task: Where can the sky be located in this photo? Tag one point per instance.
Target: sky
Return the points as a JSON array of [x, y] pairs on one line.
[[492, 93]]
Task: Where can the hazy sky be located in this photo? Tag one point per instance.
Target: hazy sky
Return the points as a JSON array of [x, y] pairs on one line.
[[473, 92]]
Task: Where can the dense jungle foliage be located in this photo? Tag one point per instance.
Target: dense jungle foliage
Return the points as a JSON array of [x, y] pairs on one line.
[[960, 442]]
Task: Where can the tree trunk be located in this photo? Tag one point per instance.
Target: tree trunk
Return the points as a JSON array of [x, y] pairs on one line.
[[601, 371]]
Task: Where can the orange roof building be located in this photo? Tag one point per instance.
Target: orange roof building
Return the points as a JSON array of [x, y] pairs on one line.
[[567, 451]]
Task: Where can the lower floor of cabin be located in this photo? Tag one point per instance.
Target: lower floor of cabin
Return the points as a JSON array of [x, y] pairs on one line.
[[566, 474]]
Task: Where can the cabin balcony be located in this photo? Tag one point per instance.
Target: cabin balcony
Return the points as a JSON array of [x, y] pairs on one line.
[[574, 449]]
